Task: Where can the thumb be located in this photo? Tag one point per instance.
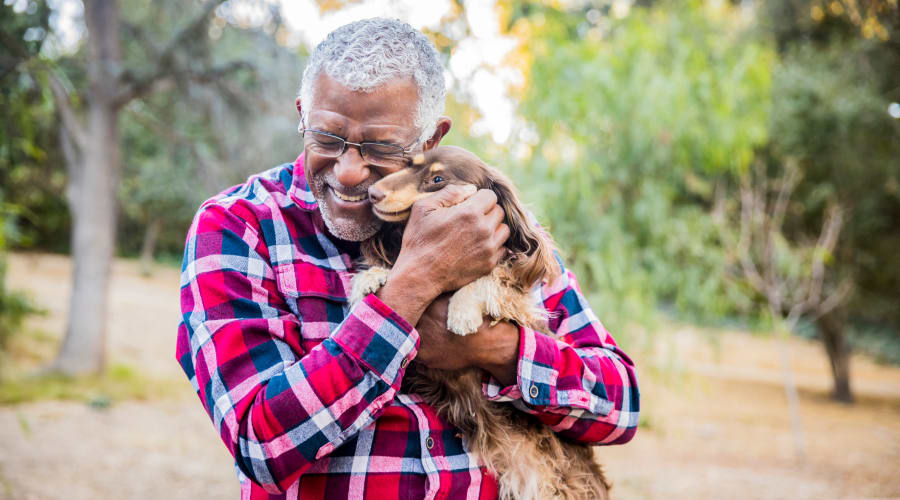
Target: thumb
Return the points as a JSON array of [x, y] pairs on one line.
[[453, 194]]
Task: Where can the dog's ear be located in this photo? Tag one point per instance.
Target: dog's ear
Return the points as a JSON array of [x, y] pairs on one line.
[[531, 248], [383, 248]]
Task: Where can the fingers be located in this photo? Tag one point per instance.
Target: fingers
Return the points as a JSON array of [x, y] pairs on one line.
[[500, 236], [495, 216], [483, 201], [451, 195]]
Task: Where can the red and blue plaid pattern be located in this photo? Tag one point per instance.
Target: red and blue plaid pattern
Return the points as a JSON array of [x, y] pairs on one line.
[[305, 390]]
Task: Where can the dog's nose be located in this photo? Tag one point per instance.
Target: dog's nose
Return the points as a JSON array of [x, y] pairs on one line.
[[375, 194]]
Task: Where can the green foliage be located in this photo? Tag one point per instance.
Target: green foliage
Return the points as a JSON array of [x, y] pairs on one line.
[[830, 116], [14, 306], [180, 145], [32, 175], [637, 122], [636, 127], [183, 145]]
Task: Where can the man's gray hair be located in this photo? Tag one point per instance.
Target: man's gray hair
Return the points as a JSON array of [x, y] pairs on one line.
[[366, 54]]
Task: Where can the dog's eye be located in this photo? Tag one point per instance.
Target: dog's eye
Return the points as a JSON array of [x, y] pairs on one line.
[[437, 179]]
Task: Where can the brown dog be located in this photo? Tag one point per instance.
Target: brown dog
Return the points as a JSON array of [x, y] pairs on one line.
[[529, 460]]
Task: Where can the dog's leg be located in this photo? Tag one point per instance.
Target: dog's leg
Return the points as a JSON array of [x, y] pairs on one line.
[[366, 282], [469, 303]]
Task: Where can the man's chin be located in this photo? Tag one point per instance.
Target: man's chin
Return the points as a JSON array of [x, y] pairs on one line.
[[350, 229]]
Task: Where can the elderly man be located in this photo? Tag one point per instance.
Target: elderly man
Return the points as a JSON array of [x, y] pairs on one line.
[[306, 391]]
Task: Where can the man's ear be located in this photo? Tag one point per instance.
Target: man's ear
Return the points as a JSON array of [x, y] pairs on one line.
[[443, 126], [299, 107]]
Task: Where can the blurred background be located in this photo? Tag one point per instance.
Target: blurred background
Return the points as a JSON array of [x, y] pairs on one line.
[[722, 175]]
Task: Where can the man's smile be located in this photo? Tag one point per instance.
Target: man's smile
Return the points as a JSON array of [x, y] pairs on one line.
[[349, 198]]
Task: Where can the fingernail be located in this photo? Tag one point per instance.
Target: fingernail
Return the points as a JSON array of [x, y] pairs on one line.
[[469, 188]]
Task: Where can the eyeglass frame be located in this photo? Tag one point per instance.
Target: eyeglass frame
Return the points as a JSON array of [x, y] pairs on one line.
[[403, 151]]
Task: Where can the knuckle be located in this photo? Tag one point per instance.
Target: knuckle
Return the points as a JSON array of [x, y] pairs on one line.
[[489, 195]]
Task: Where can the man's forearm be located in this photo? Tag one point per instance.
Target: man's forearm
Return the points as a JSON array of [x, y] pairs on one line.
[[501, 359], [408, 292]]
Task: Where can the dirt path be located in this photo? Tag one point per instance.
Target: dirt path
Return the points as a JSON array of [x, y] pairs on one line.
[[716, 420]]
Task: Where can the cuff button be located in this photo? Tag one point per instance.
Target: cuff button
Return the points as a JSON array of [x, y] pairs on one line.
[[534, 391]]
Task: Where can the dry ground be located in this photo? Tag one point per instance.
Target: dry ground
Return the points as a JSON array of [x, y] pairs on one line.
[[716, 420]]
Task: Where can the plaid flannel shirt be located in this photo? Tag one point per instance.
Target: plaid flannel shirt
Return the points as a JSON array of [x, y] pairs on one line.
[[305, 391]]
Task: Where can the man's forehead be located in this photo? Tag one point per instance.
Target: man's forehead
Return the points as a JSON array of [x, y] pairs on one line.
[[334, 119], [391, 104]]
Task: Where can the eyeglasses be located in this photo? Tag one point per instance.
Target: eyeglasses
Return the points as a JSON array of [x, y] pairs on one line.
[[374, 153]]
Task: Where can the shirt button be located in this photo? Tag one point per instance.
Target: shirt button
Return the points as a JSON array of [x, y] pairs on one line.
[[534, 391], [404, 362], [429, 443]]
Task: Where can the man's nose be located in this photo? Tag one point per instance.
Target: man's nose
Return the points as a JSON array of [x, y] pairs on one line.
[[375, 194], [350, 169]]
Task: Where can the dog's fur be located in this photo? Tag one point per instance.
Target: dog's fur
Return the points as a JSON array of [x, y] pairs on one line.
[[529, 460]]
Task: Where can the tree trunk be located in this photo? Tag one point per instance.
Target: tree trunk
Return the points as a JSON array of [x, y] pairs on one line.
[[831, 327], [92, 198], [148, 247]]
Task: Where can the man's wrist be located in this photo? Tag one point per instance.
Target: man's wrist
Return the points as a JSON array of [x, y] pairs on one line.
[[502, 359], [408, 293]]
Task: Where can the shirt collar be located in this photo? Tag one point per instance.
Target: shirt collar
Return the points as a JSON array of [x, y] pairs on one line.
[[299, 190]]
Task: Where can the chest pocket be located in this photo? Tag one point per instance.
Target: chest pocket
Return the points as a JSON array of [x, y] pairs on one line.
[[316, 296]]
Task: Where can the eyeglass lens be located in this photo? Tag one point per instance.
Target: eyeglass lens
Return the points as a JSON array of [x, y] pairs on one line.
[[331, 146]]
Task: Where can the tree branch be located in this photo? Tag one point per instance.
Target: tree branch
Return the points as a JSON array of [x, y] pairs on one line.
[[824, 247], [204, 76], [745, 242], [59, 91], [837, 297], [133, 86], [140, 35], [72, 124]]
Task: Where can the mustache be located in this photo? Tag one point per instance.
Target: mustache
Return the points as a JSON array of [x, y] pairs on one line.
[[330, 180]]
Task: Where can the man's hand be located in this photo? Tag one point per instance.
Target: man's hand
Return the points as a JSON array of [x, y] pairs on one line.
[[454, 236], [494, 349], [451, 239]]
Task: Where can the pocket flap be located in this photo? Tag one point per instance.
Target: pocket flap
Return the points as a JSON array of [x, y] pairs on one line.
[[302, 279]]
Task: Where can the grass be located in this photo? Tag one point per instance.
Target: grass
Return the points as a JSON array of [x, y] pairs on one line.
[[118, 383], [22, 380]]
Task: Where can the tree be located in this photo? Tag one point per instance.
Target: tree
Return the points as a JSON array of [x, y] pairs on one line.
[[831, 94], [90, 134], [792, 277], [631, 123], [184, 144]]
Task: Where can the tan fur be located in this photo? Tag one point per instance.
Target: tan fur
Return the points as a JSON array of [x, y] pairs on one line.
[[528, 458], [490, 296]]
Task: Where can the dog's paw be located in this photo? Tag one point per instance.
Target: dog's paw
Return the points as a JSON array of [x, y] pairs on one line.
[[366, 282], [463, 316]]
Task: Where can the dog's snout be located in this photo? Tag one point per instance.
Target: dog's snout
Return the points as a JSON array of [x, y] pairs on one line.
[[375, 194]]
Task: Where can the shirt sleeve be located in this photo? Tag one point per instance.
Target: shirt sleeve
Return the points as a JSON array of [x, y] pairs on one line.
[[574, 378], [277, 407]]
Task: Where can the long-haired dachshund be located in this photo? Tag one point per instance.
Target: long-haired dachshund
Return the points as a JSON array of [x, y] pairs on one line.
[[529, 460]]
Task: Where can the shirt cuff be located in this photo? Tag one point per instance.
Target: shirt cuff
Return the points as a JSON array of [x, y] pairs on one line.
[[538, 381], [379, 338], [525, 389]]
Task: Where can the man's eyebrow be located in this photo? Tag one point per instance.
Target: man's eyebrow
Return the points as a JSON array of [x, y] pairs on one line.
[[328, 127], [326, 121], [384, 133]]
